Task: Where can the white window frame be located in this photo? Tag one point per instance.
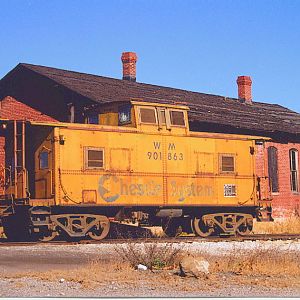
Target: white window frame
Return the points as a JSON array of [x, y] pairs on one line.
[[48, 159], [180, 110], [140, 117], [86, 161], [221, 155], [296, 170], [160, 121]]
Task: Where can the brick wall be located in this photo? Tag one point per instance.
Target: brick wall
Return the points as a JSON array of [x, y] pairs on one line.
[[12, 109], [285, 203]]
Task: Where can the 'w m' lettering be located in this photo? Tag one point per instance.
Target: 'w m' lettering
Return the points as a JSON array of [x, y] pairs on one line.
[[156, 145], [171, 146]]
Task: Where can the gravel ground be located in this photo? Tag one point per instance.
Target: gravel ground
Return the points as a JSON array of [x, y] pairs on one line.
[[29, 287], [17, 264]]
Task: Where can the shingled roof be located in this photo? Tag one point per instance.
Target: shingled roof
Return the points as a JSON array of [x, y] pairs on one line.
[[204, 108]]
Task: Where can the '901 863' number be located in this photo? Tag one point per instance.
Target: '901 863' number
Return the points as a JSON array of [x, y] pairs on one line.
[[170, 156]]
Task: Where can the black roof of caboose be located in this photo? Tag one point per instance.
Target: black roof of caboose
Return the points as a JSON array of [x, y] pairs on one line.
[[208, 112]]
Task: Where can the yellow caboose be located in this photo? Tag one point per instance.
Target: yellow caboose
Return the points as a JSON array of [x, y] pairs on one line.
[[139, 163]]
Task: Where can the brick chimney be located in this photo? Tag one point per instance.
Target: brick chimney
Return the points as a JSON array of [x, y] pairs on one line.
[[244, 88], [129, 60]]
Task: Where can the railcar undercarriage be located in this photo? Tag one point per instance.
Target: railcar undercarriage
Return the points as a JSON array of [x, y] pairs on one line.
[[47, 223]]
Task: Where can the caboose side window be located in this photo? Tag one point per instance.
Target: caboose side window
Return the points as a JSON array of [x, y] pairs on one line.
[[148, 115], [94, 158], [227, 163], [92, 119], [177, 118], [273, 169], [161, 116], [44, 160]]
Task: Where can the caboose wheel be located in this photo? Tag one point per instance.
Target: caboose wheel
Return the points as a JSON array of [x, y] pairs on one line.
[[244, 229], [47, 236], [246, 225], [200, 228], [171, 227], [100, 230]]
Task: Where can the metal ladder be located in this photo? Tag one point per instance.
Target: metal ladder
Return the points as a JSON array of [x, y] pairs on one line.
[[20, 173]]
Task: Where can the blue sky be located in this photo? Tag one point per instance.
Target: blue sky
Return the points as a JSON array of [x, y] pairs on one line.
[[195, 45]]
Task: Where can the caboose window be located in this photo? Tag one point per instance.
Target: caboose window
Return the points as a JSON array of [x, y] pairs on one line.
[[94, 158], [148, 115], [177, 118], [93, 119], [227, 163], [162, 116], [44, 160]]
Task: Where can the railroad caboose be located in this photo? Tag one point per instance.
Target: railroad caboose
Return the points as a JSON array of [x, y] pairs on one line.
[[140, 164]]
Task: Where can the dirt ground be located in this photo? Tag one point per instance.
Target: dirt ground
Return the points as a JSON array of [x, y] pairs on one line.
[[98, 271]]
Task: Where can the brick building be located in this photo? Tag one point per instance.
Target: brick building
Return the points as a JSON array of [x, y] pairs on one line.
[[41, 93]]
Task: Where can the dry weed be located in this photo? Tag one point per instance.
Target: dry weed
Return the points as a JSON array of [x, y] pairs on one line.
[[152, 255], [157, 231], [271, 261], [285, 226], [91, 275]]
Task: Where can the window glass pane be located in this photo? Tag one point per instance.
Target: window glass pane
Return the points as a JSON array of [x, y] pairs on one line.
[[177, 118], [95, 155], [227, 164], [95, 164], [44, 160], [293, 160], [148, 115], [294, 170], [94, 158], [294, 181], [273, 169], [162, 116], [93, 119]]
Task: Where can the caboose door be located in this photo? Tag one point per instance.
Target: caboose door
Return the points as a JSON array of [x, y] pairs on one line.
[[44, 170]]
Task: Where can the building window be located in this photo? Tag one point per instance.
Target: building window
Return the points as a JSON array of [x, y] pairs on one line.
[[44, 160], [148, 115], [227, 163], [71, 117], [94, 158], [177, 118], [294, 170], [273, 169]]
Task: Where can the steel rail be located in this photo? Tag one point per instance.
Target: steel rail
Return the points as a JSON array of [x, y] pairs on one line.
[[180, 239]]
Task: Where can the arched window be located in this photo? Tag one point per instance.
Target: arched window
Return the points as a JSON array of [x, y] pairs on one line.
[[273, 169], [294, 170]]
